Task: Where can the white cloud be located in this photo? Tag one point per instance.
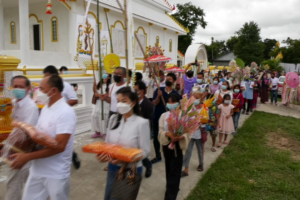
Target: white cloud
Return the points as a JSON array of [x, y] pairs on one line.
[[277, 19]]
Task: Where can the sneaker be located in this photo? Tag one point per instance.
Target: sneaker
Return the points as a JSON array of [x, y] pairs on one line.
[[96, 135], [233, 133], [148, 172], [184, 174], [155, 160]]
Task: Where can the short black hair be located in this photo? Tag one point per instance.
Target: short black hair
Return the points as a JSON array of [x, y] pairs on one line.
[[27, 81], [51, 70], [63, 68], [237, 86], [189, 73], [57, 82], [200, 73], [141, 85], [123, 70], [175, 97], [129, 73], [172, 75], [138, 76], [225, 96]]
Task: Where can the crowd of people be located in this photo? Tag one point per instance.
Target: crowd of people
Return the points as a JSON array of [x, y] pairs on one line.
[[131, 115]]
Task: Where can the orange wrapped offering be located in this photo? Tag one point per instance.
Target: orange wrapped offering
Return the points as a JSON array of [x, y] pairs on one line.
[[6, 108], [35, 135], [117, 152]]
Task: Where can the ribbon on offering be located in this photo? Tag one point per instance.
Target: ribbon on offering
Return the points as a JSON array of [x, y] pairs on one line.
[[38, 137], [117, 152]]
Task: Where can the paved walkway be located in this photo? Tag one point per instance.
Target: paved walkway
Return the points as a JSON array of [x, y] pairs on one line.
[[89, 181]]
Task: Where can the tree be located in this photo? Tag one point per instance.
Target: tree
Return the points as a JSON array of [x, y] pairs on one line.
[[230, 43], [291, 52], [190, 17], [249, 46], [274, 65], [216, 49], [270, 45]]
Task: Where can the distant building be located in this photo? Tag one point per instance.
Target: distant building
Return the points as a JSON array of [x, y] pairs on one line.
[[224, 59]]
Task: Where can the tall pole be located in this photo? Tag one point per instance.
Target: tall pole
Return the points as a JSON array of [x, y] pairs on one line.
[[126, 41], [100, 58], [107, 22]]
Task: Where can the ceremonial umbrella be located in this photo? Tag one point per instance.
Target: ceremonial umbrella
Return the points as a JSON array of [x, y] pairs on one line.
[[174, 69], [292, 79], [157, 59]]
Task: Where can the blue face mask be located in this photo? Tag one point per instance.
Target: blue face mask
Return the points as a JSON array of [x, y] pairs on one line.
[[172, 106], [199, 80], [104, 76], [65, 72], [197, 102], [224, 87], [236, 90], [19, 93], [125, 79], [216, 82]]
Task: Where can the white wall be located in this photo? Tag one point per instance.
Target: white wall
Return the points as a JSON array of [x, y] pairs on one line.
[[11, 14]]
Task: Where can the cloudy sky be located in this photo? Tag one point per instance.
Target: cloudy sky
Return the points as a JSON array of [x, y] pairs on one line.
[[278, 19]]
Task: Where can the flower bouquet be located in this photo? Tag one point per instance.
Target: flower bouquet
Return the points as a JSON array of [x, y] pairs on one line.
[[184, 119], [238, 74]]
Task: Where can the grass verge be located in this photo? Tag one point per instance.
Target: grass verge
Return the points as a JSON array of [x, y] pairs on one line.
[[252, 168]]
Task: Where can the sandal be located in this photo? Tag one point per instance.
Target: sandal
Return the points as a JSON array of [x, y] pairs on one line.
[[200, 169], [219, 145], [225, 142], [213, 149], [105, 168], [184, 174]]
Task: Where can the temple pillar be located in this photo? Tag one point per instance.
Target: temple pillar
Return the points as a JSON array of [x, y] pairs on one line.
[[24, 31]]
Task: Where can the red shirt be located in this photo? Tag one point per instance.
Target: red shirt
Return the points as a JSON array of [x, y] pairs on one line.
[[240, 97]]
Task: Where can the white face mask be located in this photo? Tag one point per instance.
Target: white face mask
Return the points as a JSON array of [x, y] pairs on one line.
[[227, 101], [43, 97], [123, 108]]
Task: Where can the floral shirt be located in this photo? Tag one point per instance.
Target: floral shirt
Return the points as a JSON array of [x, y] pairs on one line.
[[212, 112]]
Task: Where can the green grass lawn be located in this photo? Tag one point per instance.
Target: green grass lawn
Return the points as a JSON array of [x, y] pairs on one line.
[[251, 168]]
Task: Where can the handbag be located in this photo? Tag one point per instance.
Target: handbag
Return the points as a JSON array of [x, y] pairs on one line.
[[220, 100], [126, 184], [236, 102]]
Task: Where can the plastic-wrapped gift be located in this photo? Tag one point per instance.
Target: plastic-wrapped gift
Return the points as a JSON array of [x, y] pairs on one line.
[[5, 119], [117, 152], [40, 138]]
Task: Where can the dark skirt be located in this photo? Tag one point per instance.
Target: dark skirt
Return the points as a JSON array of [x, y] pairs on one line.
[[264, 97], [254, 101]]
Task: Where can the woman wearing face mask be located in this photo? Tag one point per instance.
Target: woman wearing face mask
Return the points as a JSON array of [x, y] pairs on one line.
[[225, 122], [248, 95], [237, 94], [256, 91], [225, 89], [214, 86], [126, 128], [196, 138], [173, 162], [265, 82], [99, 125]]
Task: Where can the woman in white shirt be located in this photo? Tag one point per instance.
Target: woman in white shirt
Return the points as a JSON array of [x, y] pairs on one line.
[[173, 162], [99, 124], [128, 129], [225, 89]]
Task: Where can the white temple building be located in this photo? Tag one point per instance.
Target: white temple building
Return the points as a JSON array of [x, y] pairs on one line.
[[40, 39]]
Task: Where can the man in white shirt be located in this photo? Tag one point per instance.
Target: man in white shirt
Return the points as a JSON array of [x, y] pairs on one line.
[[274, 89], [25, 110], [50, 170], [119, 75], [69, 94]]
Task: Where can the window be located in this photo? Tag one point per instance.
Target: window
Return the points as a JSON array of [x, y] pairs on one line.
[[170, 45], [13, 33], [157, 40], [54, 29]]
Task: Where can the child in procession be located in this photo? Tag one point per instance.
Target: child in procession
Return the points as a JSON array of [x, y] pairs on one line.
[[225, 126], [196, 138], [237, 95], [211, 126]]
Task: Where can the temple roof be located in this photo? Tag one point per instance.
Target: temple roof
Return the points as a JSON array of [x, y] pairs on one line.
[[148, 13]]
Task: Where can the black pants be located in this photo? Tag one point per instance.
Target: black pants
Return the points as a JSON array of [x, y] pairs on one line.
[[155, 139], [147, 163], [173, 166], [248, 105]]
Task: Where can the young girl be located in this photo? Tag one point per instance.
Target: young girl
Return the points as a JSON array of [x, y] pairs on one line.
[[99, 125], [173, 162], [211, 126], [225, 123], [196, 138], [237, 94]]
